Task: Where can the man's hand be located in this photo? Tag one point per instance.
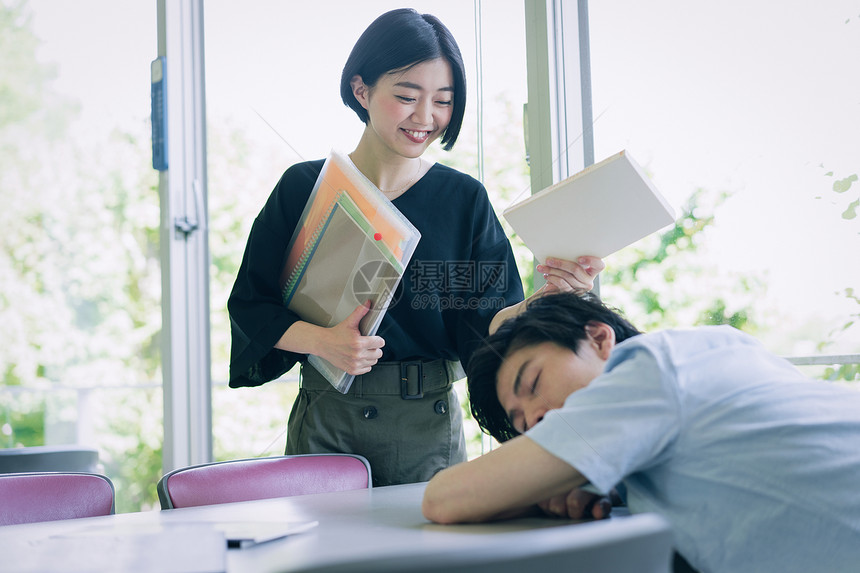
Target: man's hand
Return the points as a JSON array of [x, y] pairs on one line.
[[577, 504]]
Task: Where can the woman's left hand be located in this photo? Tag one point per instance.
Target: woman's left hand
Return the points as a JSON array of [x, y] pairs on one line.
[[565, 276], [561, 276]]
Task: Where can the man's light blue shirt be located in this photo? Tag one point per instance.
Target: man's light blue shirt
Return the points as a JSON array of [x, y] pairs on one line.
[[756, 466]]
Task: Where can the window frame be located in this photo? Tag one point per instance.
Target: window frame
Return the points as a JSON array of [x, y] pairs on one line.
[[560, 120], [187, 384], [560, 142]]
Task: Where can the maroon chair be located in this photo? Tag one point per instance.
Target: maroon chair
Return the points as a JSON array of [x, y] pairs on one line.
[[262, 478], [49, 496]]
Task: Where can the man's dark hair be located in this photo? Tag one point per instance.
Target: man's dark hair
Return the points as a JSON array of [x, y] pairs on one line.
[[398, 40], [559, 318]]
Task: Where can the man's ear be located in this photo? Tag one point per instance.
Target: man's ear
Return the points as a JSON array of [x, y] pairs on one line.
[[602, 336], [359, 90]]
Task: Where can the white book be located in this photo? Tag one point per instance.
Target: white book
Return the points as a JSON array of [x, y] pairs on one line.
[[598, 211]]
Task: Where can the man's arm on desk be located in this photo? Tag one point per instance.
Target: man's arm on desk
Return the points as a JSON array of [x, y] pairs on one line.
[[503, 483]]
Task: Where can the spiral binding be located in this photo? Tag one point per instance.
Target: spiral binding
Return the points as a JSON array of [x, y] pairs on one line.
[[299, 270]]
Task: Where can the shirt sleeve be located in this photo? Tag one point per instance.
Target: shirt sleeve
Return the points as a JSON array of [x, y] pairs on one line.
[[258, 317], [625, 421]]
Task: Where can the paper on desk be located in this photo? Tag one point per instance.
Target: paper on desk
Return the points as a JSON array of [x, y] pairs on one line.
[[190, 547], [245, 534]]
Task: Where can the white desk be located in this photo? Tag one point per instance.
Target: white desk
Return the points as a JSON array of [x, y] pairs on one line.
[[378, 530]]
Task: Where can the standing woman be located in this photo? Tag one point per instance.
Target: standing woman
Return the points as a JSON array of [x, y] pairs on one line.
[[405, 80]]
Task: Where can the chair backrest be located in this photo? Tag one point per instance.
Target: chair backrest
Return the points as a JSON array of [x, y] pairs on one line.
[[262, 478], [49, 496], [55, 458]]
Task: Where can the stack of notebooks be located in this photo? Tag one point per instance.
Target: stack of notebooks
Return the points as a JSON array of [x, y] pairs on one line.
[[351, 247]]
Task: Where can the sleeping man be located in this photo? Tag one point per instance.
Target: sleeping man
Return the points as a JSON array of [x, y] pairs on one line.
[[755, 466]]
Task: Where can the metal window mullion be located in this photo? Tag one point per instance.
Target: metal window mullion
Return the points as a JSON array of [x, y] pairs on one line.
[[542, 100], [556, 53], [824, 359], [184, 240], [571, 59], [560, 136]]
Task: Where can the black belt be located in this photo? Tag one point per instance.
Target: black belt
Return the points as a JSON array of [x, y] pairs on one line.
[[409, 379]]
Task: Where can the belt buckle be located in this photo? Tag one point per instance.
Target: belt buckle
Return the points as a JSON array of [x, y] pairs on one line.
[[404, 380]]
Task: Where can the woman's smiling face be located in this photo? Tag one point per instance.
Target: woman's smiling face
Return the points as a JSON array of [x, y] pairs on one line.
[[409, 109]]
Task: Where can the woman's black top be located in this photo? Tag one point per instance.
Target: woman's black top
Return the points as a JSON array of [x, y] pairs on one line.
[[461, 273]]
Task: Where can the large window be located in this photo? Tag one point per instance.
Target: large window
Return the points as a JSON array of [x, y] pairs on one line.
[[745, 115], [81, 299], [80, 289]]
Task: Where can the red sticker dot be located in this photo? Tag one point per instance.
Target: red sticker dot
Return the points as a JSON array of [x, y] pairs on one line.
[[377, 236]]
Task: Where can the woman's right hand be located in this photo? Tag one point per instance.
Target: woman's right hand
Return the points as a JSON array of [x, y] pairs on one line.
[[344, 346]]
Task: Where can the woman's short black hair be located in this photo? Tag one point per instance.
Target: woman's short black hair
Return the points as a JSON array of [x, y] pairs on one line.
[[559, 318], [398, 40]]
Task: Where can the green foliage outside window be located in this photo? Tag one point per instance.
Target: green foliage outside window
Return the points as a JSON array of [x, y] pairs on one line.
[[80, 286]]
